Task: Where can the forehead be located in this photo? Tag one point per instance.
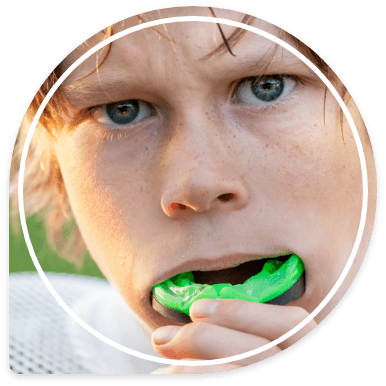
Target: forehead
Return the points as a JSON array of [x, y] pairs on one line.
[[176, 51], [162, 30]]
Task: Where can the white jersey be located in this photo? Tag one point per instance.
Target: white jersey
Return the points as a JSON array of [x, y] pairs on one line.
[[44, 339]]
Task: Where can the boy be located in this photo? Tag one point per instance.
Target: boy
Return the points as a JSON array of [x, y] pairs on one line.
[[176, 156]]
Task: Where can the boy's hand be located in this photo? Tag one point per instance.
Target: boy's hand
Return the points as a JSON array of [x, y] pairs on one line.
[[222, 328]]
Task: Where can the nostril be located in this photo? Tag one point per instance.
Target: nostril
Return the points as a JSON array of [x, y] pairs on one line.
[[226, 197], [175, 205]]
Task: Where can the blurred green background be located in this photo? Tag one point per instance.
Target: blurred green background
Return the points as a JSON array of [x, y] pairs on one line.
[[20, 260]]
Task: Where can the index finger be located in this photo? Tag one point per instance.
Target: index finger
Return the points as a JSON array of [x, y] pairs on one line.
[[264, 320]]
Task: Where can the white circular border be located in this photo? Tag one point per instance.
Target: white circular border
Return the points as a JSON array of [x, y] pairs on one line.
[[361, 223]]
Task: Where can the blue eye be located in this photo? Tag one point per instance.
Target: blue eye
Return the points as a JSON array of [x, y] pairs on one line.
[[122, 113], [268, 90], [264, 90]]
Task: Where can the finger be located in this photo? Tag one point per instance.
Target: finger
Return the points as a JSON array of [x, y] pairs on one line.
[[266, 320], [208, 341]]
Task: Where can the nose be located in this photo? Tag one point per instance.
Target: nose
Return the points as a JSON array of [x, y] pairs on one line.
[[202, 174]]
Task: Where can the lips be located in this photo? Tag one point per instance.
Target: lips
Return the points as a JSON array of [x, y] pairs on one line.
[[274, 280]]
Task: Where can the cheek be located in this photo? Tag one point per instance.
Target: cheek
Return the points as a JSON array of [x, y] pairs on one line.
[[107, 186], [309, 179], [311, 185]]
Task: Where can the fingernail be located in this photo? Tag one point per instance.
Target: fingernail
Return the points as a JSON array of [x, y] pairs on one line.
[[204, 308], [165, 334]]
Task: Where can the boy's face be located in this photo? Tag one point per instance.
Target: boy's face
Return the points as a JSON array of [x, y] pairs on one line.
[[197, 171]]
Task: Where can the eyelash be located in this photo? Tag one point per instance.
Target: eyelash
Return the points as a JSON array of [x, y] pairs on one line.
[[265, 106]]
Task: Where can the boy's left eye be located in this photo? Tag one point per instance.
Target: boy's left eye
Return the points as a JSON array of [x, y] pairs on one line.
[[122, 113], [264, 90]]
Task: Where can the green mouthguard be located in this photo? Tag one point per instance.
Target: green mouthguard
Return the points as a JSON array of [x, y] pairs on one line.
[[276, 277]]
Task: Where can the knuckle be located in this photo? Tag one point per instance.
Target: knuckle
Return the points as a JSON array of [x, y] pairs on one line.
[[195, 331], [299, 314], [233, 307]]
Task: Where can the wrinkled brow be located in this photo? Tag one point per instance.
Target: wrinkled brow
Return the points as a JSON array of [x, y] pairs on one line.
[[231, 41], [106, 84]]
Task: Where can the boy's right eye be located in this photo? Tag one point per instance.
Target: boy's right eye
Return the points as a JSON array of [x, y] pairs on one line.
[[122, 113]]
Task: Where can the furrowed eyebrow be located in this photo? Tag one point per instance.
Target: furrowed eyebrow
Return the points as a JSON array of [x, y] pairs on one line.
[[87, 89], [267, 65], [108, 84]]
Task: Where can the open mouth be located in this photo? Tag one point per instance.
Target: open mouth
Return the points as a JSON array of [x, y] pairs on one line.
[[235, 275], [271, 280]]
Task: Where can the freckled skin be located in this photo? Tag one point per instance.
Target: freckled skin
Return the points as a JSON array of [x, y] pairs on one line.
[[295, 185]]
